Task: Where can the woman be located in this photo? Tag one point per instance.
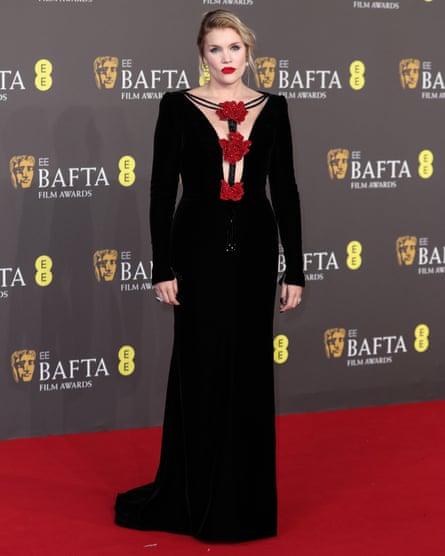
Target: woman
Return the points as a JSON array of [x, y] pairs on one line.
[[215, 260]]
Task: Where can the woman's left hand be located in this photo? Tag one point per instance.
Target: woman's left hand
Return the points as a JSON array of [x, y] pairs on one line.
[[290, 296]]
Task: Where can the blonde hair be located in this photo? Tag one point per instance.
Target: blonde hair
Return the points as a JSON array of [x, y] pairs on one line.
[[223, 19]]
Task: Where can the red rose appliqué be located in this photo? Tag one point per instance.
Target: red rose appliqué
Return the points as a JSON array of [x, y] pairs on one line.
[[232, 110], [235, 148], [231, 192]]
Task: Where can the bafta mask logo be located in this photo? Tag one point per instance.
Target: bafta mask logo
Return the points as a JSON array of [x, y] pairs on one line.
[[265, 71], [406, 250], [337, 160], [21, 169], [105, 263], [23, 363], [334, 342], [105, 71], [409, 69]]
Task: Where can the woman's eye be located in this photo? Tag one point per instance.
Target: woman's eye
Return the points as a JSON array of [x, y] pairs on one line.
[[235, 47], [214, 49]]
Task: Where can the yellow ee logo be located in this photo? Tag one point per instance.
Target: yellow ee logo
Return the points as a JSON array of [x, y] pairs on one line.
[[127, 164], [426, 168], [280, 344], [43, 266], [357, 75], [126, 360], [354, 252], [43, 80], [421, 335]]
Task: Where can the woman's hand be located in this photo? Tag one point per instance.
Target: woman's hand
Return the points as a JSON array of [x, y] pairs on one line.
[[166, 292], [290, 296]]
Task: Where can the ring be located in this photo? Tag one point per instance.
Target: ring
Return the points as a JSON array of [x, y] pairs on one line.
[[158, 298], [299, 301]]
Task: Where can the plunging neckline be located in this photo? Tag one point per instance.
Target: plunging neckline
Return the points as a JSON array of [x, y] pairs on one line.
[[266, 102], [236, 177]]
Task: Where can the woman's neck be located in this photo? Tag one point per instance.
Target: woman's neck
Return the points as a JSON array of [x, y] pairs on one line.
[[237, 91]]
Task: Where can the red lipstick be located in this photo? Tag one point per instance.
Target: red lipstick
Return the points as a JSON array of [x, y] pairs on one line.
[[228, 70]]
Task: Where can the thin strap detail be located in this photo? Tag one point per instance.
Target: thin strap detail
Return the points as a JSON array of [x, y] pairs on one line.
[[209, 104]]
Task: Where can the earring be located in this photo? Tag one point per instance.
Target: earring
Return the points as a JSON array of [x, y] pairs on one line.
[[204, 73]]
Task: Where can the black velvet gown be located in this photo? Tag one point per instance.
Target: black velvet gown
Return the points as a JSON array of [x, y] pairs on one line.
[[216, 479]]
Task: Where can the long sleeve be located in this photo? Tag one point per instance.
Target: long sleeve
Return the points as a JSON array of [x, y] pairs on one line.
[[285, 197], [164, 184]]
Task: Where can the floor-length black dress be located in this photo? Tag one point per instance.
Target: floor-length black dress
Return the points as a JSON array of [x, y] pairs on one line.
[[216, 479]]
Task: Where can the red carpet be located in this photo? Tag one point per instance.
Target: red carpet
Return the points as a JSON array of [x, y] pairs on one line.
[[363, 482]]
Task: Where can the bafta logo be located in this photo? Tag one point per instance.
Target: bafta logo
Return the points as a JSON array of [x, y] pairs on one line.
[[105, 71], [406, 250], [334, 342], [23, 363], [265, 71], [409, 69], [21, 169], [105, 263], [337, 160]]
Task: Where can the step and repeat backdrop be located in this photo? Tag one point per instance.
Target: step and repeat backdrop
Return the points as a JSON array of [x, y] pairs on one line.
[[83, 344]]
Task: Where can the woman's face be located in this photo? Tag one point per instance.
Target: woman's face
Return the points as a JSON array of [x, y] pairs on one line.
[[225, 54]]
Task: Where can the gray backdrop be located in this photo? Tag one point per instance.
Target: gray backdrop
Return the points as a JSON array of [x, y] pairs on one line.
[[83, 345]]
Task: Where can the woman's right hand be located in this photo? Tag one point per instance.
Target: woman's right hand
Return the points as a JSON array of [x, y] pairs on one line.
[[167, 291]]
